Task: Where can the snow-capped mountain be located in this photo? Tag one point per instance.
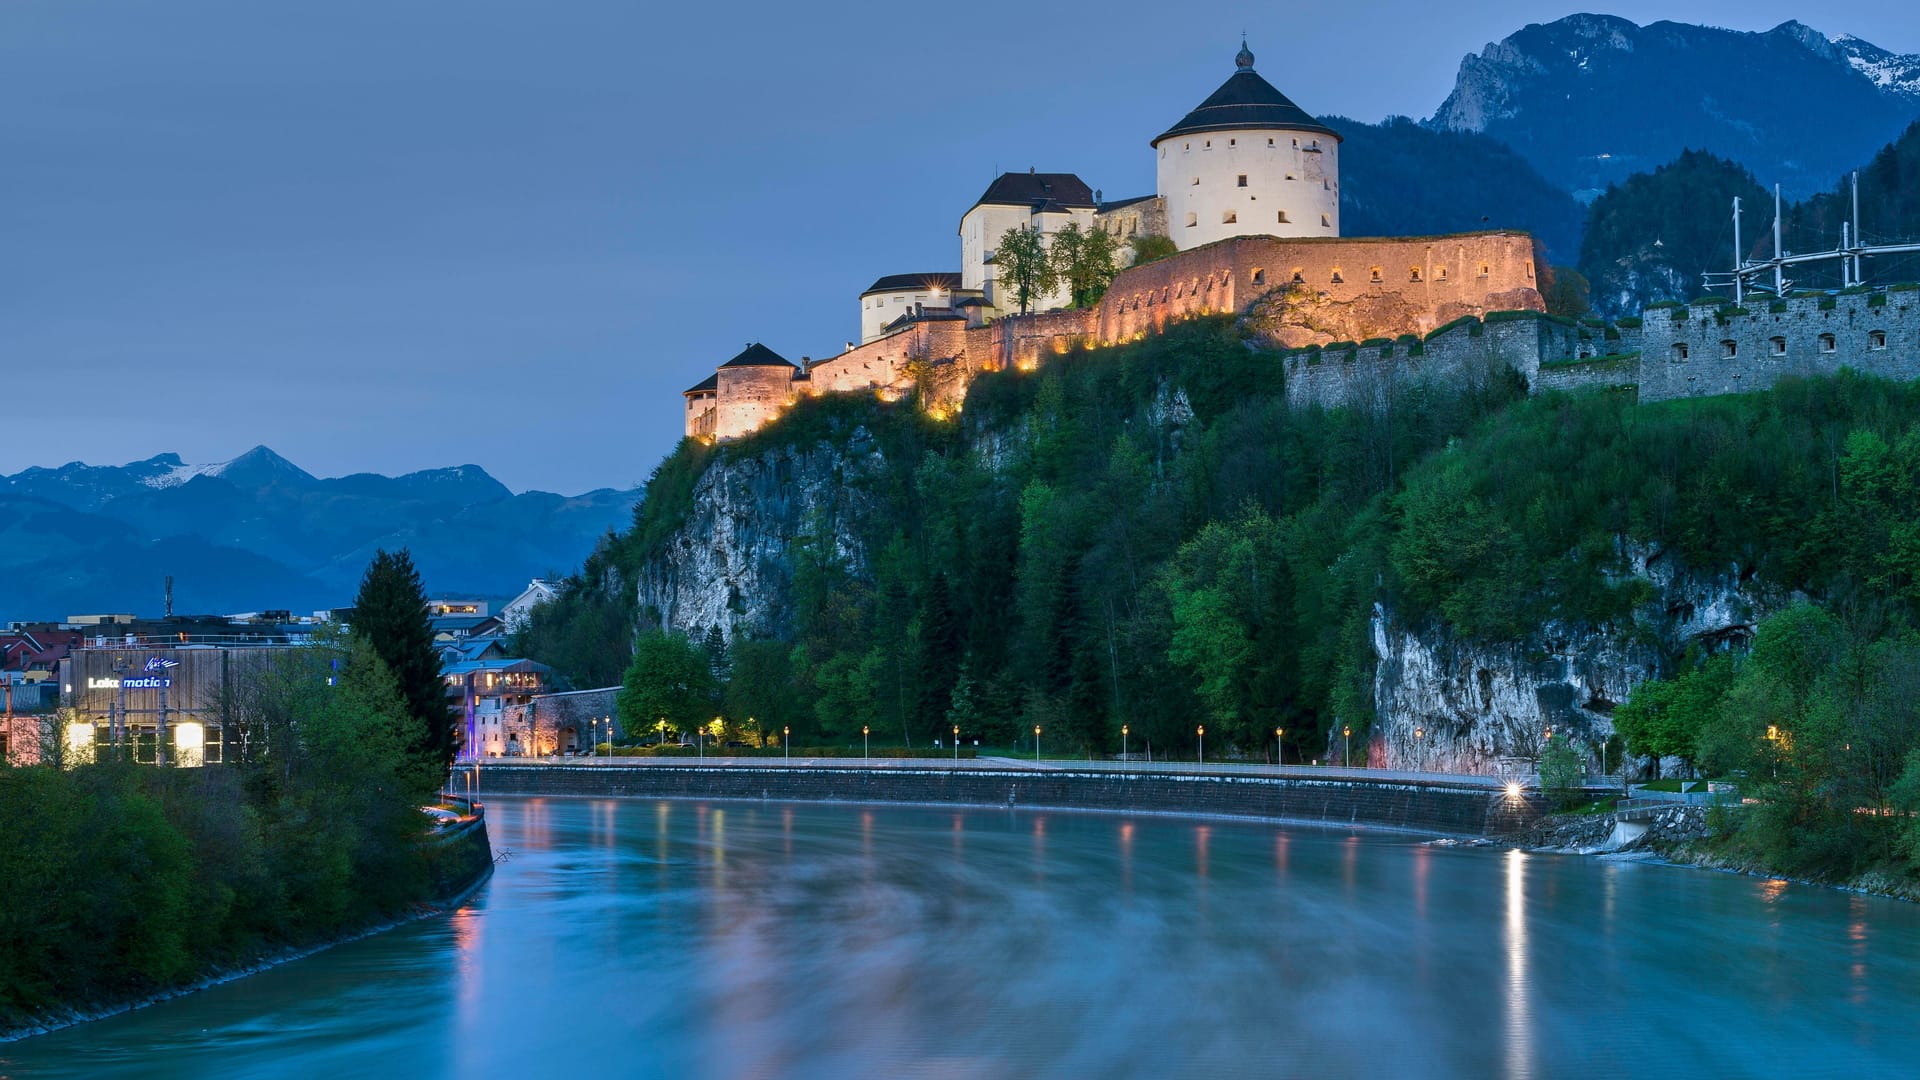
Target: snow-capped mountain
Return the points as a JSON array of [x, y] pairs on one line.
[[1591, 99]]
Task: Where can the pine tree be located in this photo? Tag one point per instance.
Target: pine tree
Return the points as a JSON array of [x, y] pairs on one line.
[[390, 614]]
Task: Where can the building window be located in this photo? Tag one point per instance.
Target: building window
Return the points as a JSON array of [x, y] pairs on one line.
[[1240, 181], [1373, 275], [1196, 182], [1779, 346], [1299, 276], [1729, 348], [1259, 276], [1877, 339], [1485, 269], [1269, 142], [1439, 273], [1233, 142], [1192, 220], [1185, 146], [1413, 275], [1289, 176], [1826, 342], [1679, 350], [1337, 279], [1326, 221], [1229, 218], [1208, 145], [1283, 218], [1326, 184]]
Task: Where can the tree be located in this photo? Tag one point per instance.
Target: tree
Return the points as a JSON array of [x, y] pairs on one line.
[[1025, 265], [669, 682], [763, 688], [1561, 772], [390, 614], [1150, 246], [1083, 260], [1567, 292]]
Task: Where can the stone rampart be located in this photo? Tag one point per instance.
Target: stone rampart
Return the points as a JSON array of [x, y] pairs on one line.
[[1700, 349], [1422, 806]]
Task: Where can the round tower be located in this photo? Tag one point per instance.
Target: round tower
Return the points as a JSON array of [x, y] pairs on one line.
[[1248, 162]]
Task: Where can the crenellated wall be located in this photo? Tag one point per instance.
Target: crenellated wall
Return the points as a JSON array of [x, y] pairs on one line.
[[1716, 348]]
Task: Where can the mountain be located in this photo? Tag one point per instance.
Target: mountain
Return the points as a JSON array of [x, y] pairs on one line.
[[1400, 179], [258, 532], [1592, 99]]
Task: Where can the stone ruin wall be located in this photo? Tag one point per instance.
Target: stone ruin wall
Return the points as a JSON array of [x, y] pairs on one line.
[[1732, 350]]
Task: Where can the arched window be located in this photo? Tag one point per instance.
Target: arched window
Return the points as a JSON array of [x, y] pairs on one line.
[[1413, 275], [1259, 276], [1299, 276], [1373, 275], [1337, 279]]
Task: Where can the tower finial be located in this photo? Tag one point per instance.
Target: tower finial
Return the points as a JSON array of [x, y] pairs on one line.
[[1244, 59]]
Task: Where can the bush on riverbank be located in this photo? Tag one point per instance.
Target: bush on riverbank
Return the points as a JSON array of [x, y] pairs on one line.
[[122, 880]]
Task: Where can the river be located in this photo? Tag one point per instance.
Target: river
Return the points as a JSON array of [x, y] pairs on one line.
[[681, 939]]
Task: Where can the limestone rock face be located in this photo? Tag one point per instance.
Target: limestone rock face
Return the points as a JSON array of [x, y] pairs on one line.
[[1486, 707], [731, 563]]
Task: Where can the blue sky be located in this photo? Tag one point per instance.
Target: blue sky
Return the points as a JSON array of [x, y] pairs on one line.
[[397, 235]]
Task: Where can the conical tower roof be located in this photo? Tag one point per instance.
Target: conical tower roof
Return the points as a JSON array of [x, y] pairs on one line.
[[1246, 101]]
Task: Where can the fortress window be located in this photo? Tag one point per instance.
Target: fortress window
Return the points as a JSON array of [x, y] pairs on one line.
[[1413, 275], [1208, 145], [1283, 218], [1296, 144], [1485, 270], [1196, 182], [1233, 142], [1337, 279], [1229, 218], [1299, 277], [1289, 176], [1729, 348], [1326, 184], [1241, 180], [1877, 339], [1826, 342], [1779, 346], [1185, 146], [1326, 221], [1269, 142], [1679, 350], [1439, 273], [1259, 276], [1192, 219], [1374, 275]]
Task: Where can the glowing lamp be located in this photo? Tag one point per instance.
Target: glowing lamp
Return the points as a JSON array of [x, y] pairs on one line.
[[190, 744], [1513, 790], [79, 742]]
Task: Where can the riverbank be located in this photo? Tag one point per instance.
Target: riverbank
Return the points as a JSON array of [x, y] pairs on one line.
[[460, 860], [1461, 807]]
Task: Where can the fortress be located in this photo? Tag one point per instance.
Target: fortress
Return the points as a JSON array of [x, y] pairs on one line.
[[1249, 194]]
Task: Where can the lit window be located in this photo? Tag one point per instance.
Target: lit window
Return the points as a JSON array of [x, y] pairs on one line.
[[1413, 275], [1374, 275], [1299, 276], [1283, 218], [1229, 218], [1337, 279], [1241, 181], [1485, 269]]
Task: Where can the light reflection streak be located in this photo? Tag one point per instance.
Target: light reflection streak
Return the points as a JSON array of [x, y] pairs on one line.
[[1126, 859], [1857, 949], [1519, 1004]]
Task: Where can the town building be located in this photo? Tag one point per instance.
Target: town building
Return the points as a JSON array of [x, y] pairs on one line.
[[483, 691], [514, 616]]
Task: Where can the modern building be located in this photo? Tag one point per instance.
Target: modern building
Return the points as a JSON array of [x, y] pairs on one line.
[[173, 704]]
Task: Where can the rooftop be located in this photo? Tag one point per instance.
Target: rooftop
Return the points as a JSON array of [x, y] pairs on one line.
[[758, 355], [1246, 101], [943, 280], [1032, 189]]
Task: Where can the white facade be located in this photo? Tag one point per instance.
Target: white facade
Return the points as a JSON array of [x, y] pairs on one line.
[[882, 305], [514, 616], [980, 233], [1273, 182]]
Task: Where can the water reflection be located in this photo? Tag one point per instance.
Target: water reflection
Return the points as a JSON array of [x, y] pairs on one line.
[[830, 942]]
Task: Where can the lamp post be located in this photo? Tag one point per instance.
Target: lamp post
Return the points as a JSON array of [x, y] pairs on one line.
[[956, 742], [1202, 731], [1279, 747], [863, 742], [1123, 744], [1036, 744], [786, 742], [1346, 754], [1419, 749]]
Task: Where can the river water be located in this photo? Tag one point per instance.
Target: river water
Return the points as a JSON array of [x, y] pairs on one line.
[[680, 939]]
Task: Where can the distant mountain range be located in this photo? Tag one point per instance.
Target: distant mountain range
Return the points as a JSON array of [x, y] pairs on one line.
[[259, 532], [1592, 99]]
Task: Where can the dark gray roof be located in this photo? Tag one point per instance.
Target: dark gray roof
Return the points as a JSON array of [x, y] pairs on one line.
[[1246, 101], [758, 355], [1031, 189], [940, 315], [1121, 204], [708, 385], [939, 279]]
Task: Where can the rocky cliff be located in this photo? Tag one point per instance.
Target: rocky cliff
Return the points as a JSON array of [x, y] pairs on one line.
[[1486, 708], [731, 562]]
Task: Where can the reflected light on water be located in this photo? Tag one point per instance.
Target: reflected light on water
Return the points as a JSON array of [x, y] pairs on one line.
[[1519, 1040]]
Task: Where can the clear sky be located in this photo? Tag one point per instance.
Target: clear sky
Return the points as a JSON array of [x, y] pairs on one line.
[[395, 235]]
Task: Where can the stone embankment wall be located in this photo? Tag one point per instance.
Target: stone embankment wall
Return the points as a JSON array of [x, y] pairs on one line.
[[459, 857], [1428, 807]]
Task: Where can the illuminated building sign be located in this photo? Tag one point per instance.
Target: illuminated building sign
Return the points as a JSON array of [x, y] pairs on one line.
[[148, 682]]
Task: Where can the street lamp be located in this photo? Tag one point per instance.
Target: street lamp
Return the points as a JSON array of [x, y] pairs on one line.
[[1123, 743], [1418, 754], [786, 741], [1346, 754], [1279, 748], [1202, 729], [956, 742], [1036, 744], [863, 742]]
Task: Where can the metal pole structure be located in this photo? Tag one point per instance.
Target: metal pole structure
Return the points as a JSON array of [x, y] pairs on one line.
[[1346, 754], [1779, 272], [1201, 731], [1279, 747], [1846, 261], [1123, 745], [1036, 744], [956, 742], [1858, 240], [1739, 280], [786, 743], [863, 741]]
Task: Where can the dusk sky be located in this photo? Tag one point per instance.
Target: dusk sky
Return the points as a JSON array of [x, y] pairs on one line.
[[398, 235]]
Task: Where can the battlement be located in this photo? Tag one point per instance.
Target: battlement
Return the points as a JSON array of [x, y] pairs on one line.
[[1712, 346]]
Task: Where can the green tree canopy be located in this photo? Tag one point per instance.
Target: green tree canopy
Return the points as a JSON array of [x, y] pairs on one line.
[[668, 686]]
